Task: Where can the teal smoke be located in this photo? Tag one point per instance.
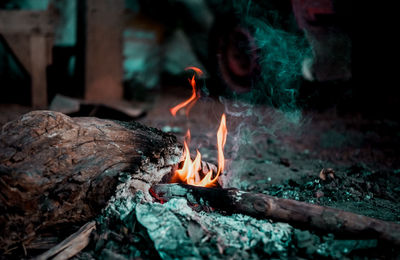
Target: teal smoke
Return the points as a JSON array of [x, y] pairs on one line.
[[282, 49]]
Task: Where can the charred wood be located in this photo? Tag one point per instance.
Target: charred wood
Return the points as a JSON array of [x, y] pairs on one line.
[[296, 213]]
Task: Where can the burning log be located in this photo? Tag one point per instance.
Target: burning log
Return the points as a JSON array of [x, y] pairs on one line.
[[296, 213], [57, 171]]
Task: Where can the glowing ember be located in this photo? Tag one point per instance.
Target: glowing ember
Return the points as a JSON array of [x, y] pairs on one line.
[[190, 171], [195, 95]]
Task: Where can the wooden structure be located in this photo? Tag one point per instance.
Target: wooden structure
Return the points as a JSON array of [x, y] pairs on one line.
[[30, 36], [103, 50]]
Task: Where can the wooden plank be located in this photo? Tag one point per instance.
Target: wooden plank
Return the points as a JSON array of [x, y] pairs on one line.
[[49, 49], [103, 68], [20, 45], [38, 50], [26, 22]]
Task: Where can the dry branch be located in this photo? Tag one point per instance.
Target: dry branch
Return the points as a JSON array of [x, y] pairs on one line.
[[299, 214], [71, 245]]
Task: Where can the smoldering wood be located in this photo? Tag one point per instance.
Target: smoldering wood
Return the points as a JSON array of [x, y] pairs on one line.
[[57, 171], [296, 213], [206, 167]]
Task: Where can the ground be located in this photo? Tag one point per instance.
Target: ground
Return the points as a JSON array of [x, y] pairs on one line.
[[345, 161]]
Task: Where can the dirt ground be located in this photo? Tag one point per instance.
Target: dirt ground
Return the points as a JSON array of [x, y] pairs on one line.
[[283, 154], [269, 151]]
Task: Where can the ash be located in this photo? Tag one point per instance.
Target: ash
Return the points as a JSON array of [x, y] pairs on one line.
[[133, 227]]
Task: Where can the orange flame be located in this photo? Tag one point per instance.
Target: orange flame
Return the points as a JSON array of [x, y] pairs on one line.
[[190, 171], [198, 71], [193, 98]]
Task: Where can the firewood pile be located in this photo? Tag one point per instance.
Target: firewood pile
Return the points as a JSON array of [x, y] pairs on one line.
[[88, 188]]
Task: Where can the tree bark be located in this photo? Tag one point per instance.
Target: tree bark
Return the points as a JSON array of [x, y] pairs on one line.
[[296, 213], [57, 171]]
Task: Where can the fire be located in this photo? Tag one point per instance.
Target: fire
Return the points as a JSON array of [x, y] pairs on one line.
[[190, 171], [193, 98], [198, 71]]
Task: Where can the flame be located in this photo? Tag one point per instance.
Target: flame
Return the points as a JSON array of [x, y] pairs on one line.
[[193, 98], [190, 171], [221, 138], [198, 71], [188, 136]]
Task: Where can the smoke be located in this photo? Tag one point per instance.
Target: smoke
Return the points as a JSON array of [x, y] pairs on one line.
[[249, 122], [250, 129], [281, 48], [271, 105]]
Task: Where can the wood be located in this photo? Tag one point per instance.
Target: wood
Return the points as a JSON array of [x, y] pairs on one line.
[[71, 245], [30, 36], [35, 53], [20, 45], [26, 22], [57, 171], [104, 73], [296, 213], [39, 61]]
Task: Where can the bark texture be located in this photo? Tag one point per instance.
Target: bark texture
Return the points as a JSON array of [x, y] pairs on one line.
[[58, 170]]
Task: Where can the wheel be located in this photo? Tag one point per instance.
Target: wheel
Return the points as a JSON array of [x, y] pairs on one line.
[[234, 57]]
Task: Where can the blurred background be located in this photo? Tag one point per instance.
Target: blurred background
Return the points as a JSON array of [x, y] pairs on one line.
[[273, 52], [280, 70]]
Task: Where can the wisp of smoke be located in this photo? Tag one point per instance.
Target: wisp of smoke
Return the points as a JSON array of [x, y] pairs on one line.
[[281, 53]]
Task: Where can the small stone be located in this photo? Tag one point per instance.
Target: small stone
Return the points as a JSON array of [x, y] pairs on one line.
[[252, 187], [326, 173], [284, 161], [319, 194]]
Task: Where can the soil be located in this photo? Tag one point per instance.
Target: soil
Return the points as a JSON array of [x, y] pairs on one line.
[[345, 161], [281, 154]]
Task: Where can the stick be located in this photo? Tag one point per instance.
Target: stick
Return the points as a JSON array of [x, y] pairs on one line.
[[296, 213], [71, 245]]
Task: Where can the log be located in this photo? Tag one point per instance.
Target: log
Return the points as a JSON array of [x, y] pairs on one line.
[[296, 213], [57, 171]]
